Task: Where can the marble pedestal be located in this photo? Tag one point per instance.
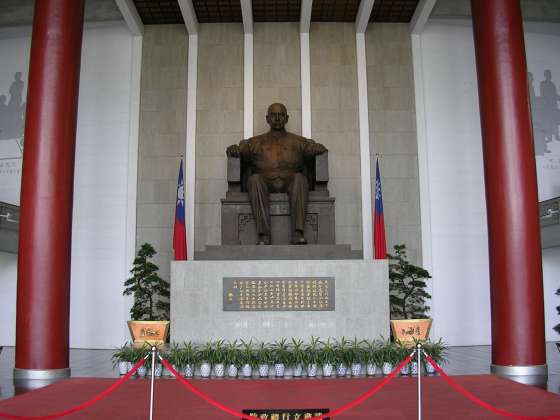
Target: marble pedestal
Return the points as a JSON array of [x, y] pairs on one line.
[[361, 301]]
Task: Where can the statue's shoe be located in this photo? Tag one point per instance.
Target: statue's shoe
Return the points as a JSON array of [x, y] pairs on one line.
[[298, 240], [263, 240]]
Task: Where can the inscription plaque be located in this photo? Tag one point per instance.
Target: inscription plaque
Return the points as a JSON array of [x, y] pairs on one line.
[[283, 414], [278, 294]]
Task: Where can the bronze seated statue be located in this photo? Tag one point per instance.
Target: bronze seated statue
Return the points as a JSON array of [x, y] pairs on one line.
[[277, 189]]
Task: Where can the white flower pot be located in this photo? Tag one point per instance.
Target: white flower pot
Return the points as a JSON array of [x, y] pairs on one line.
[[205, 370], [232, 371], [263, 371], [279, 370], [312, 370], [387, 368], [341, 369], [405, 370], [247, 371], [142, 370], [129, 366], [157, 370], [123, 368], [356, 369], [219, 370], [430, 370], [167, 372], [327, 370], [371, 369], [188, 371], [414, 368], [298, 370]]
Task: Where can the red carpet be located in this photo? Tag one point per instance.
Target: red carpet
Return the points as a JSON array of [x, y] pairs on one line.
[[394, 402]]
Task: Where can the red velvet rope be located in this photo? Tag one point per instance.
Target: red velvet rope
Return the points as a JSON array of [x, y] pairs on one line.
[[81, 406], [332, 413], [478, 401]]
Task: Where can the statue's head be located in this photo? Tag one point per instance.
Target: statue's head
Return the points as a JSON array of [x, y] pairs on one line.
[[18, 76], [548, 75], [277, 116]]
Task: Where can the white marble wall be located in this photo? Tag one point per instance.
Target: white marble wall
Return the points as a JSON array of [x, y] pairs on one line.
[[219, 122], [163, 116], [334, 121], [393, 132]]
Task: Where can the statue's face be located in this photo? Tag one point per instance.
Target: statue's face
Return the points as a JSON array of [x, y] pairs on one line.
[[277, 117]]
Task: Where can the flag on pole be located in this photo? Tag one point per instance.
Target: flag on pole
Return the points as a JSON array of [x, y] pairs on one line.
[[379, 244], [179, 229]]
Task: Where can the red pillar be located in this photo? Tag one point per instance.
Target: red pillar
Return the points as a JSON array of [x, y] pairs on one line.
[[43, 290], [516, 289]]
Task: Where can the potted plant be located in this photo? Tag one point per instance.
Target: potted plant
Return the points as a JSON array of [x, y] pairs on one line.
[[313, 353], [205, 356], [281, 357], [122, 358], [157, 367], [264, 357], [220, 355], [328, 357], [139, 352], [298, 358], [150, 311], [389, 355], [247, 358], [172, 355], [437, 350], [372, 356], [403, 351], [188, 359], [343, 356], [407, 298], [356, 356], [232, 358]]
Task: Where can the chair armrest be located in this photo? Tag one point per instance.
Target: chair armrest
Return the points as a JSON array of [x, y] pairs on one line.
[[234, 173], [322, 168]]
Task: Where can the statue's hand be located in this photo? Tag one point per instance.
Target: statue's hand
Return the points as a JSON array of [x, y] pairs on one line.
[[318, 148], [233, 151]]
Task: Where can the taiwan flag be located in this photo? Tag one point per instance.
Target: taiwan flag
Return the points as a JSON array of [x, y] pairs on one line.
[[179, 229], [380, 247]]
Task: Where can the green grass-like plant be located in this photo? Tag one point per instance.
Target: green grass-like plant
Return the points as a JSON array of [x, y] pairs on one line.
[[247, 354], [298, 353], [281, 352], [264, 354]]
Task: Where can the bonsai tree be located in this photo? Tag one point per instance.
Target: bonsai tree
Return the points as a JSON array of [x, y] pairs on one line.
[[151, 292], [407, 294]]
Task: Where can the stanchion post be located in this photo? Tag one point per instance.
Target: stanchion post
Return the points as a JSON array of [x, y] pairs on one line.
[[154, 351], [419, 369]]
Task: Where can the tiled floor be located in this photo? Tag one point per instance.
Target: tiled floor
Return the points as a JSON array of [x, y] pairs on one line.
[[97, 363]]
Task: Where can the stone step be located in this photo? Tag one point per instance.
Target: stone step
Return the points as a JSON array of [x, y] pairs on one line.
[[278, 252]]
